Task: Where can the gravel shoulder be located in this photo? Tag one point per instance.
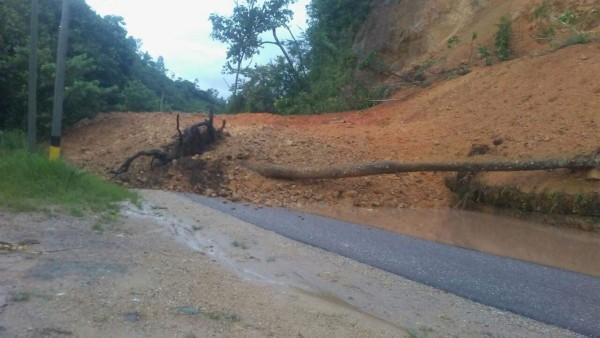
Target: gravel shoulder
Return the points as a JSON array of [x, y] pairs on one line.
[[175, 268]]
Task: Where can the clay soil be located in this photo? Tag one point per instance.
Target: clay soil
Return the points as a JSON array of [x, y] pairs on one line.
[[541, 106]]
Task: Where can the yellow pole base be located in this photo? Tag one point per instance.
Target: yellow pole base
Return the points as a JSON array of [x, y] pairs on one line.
[[54, 153]]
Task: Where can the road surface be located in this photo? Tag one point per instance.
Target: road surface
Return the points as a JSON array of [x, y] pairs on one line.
[[553, 296]]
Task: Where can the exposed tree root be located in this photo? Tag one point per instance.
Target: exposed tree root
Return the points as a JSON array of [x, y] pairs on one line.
[[194, 140], [162, 156]]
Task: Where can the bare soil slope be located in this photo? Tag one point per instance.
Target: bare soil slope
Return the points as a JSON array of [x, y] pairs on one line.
[[539, 106]]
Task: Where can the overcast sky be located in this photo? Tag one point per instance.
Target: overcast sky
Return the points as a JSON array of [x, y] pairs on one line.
[[179, 31]]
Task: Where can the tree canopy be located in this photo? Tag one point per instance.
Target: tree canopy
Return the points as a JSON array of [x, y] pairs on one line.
[[243, 32], [106, 69], [317, 72]]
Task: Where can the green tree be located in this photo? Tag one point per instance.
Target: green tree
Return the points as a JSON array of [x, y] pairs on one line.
[[333, 77], [243, 33], [266, 84], [13, 60], [84, 97], [138, 97], [106, 69], [317, 72]]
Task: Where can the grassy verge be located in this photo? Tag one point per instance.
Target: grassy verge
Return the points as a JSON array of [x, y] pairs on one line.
[[29, 182]]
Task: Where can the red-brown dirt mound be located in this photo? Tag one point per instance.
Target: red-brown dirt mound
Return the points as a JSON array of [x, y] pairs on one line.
[[542, 106]]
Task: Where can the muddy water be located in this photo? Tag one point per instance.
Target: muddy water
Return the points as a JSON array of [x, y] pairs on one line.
[[564, 248]]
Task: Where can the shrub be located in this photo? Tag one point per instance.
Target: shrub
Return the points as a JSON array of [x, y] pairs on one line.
[[578, 39], [541, 11], [568, 18], [485, 54], [453, 41], [504, 39]]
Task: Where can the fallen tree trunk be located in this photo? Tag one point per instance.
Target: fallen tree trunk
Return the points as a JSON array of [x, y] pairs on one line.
[[388, 167]]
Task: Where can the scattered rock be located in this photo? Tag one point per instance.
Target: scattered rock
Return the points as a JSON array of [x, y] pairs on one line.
[[593, 175], [188, 310], [350, 194], [2, 302], [53, 332], [132, 317], [478, 149], [333, 195]]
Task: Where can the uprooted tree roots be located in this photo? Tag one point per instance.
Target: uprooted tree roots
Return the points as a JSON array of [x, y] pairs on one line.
[[194, 140]]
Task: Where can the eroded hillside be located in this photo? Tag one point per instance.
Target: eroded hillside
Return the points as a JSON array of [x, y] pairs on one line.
[[540, 106], [437, 36]]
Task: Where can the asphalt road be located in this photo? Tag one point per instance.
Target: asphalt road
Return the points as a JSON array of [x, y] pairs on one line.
[[553, 296]]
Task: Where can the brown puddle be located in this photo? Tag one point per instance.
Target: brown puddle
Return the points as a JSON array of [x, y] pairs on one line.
[[564, 248]]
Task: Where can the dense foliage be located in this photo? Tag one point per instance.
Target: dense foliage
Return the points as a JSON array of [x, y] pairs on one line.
[[106, 70], [317, 73], [334, 66]]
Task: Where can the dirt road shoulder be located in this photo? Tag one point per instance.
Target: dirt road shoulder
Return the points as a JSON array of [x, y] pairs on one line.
[[175, 268]]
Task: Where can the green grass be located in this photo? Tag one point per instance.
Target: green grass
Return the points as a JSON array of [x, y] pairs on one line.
[[223, 317], [98, 227], [20, 297], [25, 296], [30, 182], [240, 244], [422, 332]]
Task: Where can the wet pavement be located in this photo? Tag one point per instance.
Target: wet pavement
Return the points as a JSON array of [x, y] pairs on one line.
[[560, 247], [554, 296]]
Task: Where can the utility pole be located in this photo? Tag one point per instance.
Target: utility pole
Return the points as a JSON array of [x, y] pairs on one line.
[[59, 84], [32, 100], [162, 97]]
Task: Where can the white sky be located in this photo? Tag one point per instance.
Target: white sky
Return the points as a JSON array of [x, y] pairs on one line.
[[179, 31]]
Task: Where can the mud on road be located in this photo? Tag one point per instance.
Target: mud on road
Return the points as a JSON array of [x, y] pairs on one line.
[[175, 268]]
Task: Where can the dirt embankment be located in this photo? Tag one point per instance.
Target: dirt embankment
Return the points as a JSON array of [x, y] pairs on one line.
[[438, 35], [539, 106]]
